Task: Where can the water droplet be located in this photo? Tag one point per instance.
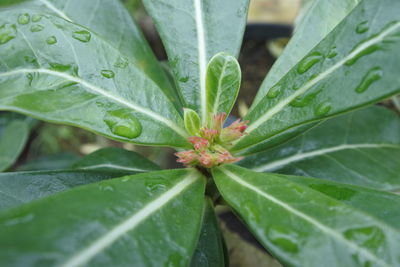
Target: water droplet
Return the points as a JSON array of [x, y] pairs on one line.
[[30, 59], [29, 76], [37, 28], [107, 74], [251, 211], [332, 53], [7, 33], [70, 68], [51, 40], [281, 237], [36, 18], [106, 187], [323, 108], [370, 236], [372, 76], [24, 18], [184, 79], [362, 27], [155, 185], [121, 63], [308, 62], [274, 91], [83, 36], [25, 218], [304, 100], [122, 122]]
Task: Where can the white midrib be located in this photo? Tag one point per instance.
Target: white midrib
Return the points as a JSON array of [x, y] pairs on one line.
[[307, 218], [112, 166], [277, 108], [219, 90], [97, 246], [202, 56], [55, 9], [102, 92], [302, 156]]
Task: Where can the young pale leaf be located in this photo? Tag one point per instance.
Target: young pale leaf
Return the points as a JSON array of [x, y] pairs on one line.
[[17, 188], [222, 83], [192, 33], [210, 248], [135, 219], [362, 148], [309, 31], [192, 121], [348, 69], [309, 226], [77, 80], [115, 159], [14, 133]]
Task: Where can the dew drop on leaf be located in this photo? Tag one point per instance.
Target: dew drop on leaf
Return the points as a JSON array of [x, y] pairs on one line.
[[51, 40], [282, 238], [304, 100], [70, 68], [107, 74], [24, 19], [274, 91], [36, 18], [7, 33], [155, 185], [106, 187], [323, 108], [83, 36], [362, 27], [184, 79], [37, 28], [122, 122], [332, 53], [373, 75], [121, 63], [308, 62]]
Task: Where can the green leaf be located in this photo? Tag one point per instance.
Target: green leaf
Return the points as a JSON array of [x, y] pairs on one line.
[[135, 219], [17, 188], [222, 83], [345, 71], [192, 33], [309, 31], [14, 133], [362, 148], [115, 159], [302, 226], [58, 161], [110, 19], [77, 81], [192, 121], [210, 248], [396, 101]]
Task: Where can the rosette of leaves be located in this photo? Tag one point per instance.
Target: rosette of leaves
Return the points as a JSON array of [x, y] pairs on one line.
[[86, 63]]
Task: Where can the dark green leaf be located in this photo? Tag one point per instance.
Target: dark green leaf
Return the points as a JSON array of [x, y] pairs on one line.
[[131, 220], [361, 148], [192, 33], [58, 161], [345, 71], [303, 227], [77, 80], [115, 159], [210, 248]]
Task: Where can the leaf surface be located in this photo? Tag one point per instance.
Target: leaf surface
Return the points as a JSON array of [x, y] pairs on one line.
[[303, 226], [135, 219], [362, 148], [348, 69]]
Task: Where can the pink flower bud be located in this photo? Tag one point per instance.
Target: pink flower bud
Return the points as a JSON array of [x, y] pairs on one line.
[[199, 143], [187, 158], [209, 134], [218, 121], [234, 131]]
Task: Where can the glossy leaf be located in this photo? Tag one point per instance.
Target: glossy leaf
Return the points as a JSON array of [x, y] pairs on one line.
[[135, 219], [396, 101], [345, 71], [362, 147], [192, 33], [115, 159], [17, 188], [210, 248], [58, 161], [222, 83], [77, 80], [110, 19], [14, 133], [316, 20], [192, 121], [303, 227]]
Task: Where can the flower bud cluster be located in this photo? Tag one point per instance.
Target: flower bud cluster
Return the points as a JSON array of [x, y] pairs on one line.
[[211, 143]]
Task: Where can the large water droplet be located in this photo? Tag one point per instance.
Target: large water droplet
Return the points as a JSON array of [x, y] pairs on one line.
[[251, 211], [70, 68], [83, 36], [107, 74], [362, 27], [308, 62], [372, 76], [121, 63], [281, 237], [51, 40], [323, 108], [37, 28], [7, 33], [304, 100], [332, 53], [184, 79], [370, 236], [274, 91], [36, 18], [122, 122], [24, 18]]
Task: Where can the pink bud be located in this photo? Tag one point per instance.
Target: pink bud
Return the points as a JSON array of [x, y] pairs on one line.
[[209, 134], [198, 142], [187, 157], [206, 160], [234, 131]]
